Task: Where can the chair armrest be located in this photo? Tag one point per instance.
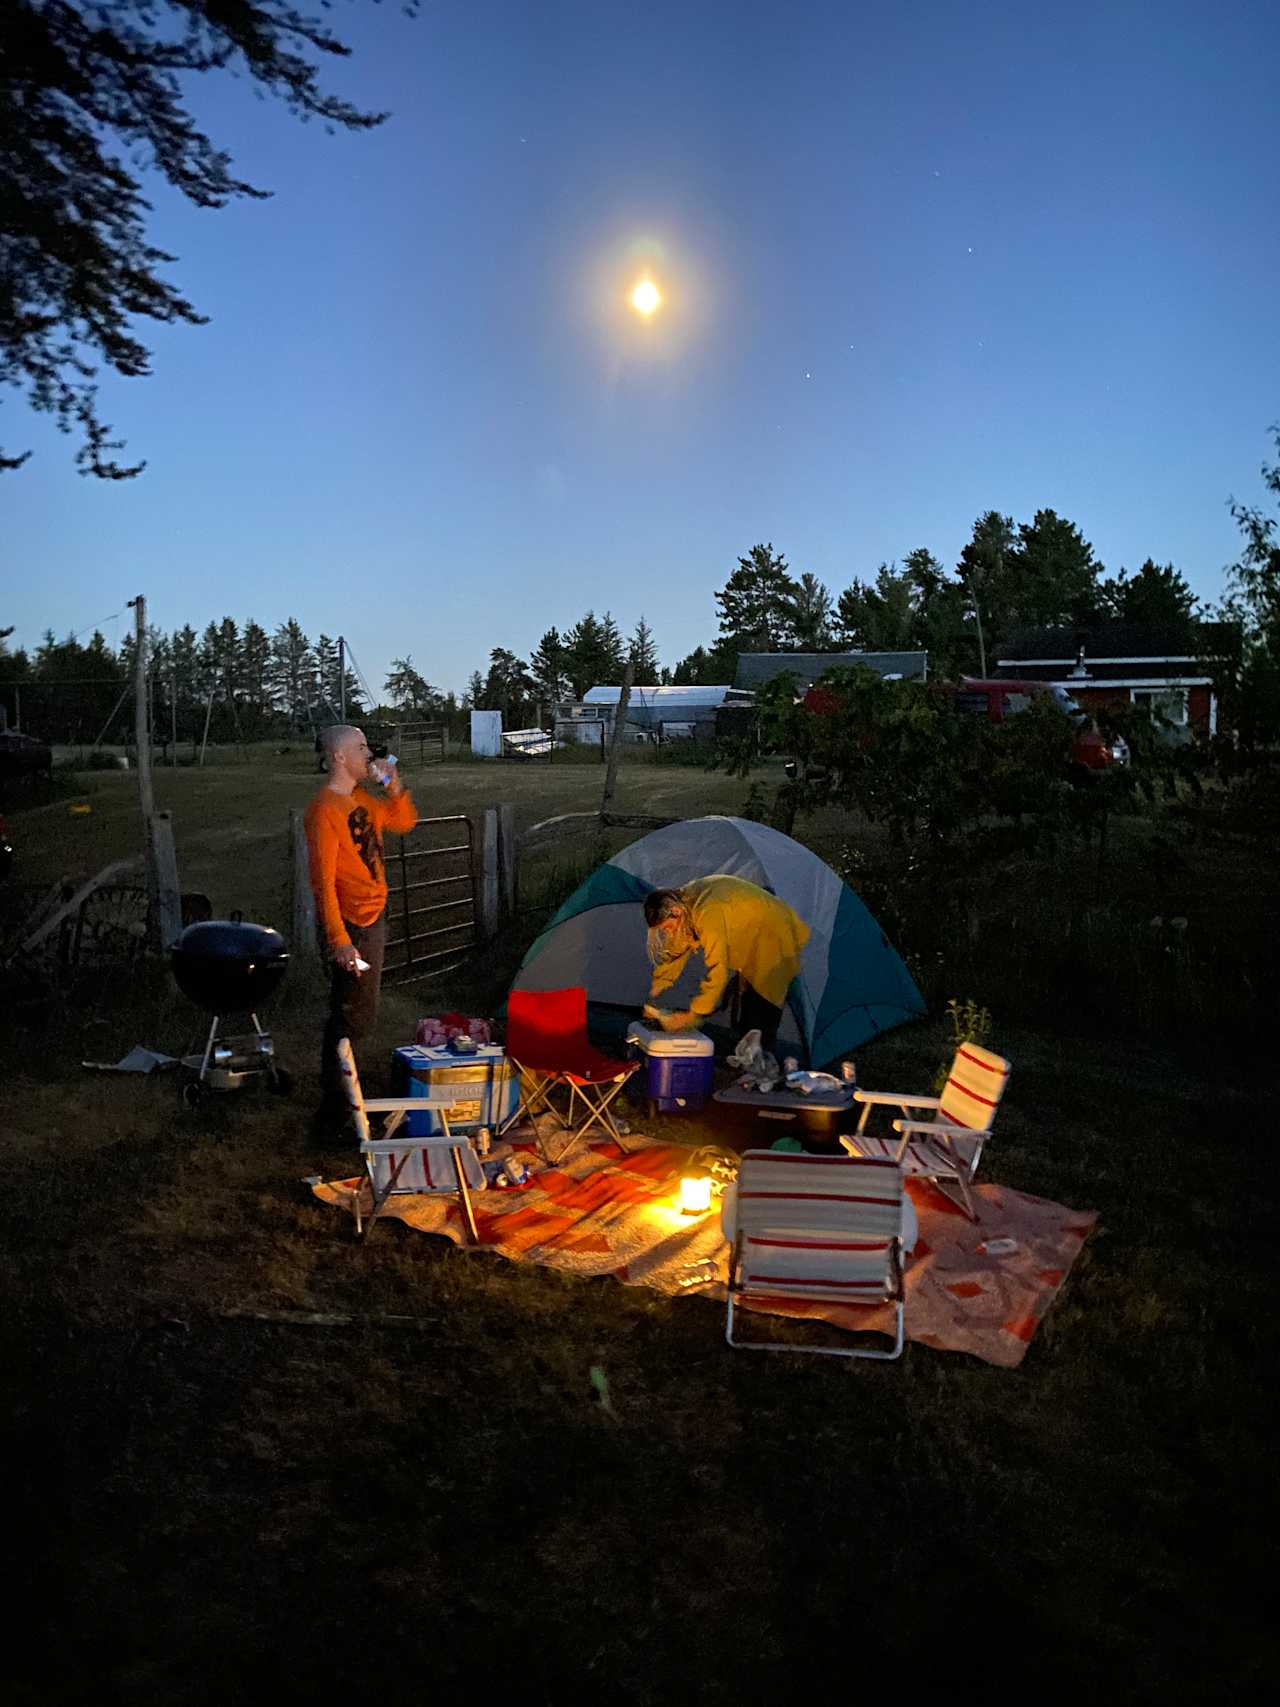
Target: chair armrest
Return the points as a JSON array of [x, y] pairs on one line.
[[939, 1129], [399, 1144], [898, 1098]]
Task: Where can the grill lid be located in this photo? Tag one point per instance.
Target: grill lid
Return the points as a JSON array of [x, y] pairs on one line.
[[230, 942]]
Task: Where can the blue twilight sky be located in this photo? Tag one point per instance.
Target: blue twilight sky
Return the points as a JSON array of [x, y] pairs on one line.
[[919, 260]]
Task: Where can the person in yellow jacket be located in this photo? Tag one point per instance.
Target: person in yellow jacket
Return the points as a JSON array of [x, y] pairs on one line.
[[739, 929]]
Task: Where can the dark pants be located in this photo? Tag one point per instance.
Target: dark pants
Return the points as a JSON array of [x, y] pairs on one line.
[[353, 1004], [754, 1012]]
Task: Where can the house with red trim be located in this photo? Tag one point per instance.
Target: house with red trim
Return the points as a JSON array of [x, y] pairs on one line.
[[1171, 669]]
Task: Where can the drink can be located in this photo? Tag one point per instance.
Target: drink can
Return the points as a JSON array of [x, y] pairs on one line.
[[517, 1173], [483, 1142], [849, 1073]]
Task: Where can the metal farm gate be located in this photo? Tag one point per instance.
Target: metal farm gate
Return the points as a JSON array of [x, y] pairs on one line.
[[432, 910]]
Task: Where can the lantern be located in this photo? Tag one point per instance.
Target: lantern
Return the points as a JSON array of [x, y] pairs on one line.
[[695, 1193]]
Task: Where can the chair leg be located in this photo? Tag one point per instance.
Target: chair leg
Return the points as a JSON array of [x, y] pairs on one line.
[[380, 1198], [601, 1114], [461, 1175]]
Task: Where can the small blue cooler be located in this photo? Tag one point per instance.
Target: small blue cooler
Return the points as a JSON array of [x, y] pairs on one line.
[[679, 1067], [487, 1086]]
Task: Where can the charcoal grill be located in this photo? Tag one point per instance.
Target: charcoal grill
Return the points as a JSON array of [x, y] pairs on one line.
[[229, 968]]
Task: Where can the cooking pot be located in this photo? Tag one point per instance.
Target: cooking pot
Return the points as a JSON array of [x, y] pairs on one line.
[[226, 966]]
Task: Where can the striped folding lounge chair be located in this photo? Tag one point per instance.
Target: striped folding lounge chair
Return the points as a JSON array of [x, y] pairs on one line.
[[946, 1144], [400, 1163], [823, 1229]]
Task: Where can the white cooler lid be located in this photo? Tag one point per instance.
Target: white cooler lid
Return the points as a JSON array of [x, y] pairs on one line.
[[654, 1041]]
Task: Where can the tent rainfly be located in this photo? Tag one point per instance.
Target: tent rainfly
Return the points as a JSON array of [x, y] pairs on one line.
[[852, 984]]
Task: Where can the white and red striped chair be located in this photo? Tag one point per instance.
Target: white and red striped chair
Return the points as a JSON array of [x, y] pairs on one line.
[[822, 1229], [947, 1147], [400, 1164]]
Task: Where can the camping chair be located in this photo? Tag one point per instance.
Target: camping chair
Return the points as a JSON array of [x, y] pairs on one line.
[[945, 1149], [403, 1164], [547, 1040], [822, 1229]]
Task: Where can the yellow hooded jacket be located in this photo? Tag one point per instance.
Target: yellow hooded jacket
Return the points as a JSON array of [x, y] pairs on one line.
[[740, 928]]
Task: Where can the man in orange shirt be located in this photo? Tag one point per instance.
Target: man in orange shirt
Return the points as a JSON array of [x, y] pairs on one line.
[[344, 825]]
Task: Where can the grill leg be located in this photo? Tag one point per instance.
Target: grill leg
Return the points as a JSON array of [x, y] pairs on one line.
[[208, 1048]]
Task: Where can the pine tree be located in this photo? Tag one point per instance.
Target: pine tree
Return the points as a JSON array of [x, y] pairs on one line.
[[982, 571], [643, 655], [508, 688], [1050, 577], [293, 672], [757, 604], [184, 652], [812, 615], [1157, 595], [613, 653], [255, 677], [548, 668], [584, 655], [409, 688], [327, 690]]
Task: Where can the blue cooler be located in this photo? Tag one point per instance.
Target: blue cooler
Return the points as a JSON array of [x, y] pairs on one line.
[[679, 1067], [487, 1086]]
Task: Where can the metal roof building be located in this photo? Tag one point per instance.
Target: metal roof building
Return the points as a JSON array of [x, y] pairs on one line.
[[757, 668], [650, 707]]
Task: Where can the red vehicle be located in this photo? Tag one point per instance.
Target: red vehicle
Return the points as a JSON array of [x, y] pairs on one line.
[[998, 700]]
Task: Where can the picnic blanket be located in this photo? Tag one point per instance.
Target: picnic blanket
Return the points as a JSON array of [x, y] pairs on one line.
[[603, 1212]]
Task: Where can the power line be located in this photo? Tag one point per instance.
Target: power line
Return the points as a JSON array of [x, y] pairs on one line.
[[95, 625]]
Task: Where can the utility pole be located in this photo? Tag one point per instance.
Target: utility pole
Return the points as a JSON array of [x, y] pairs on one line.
[[141, 731], [982, 649], [173, 716], [342, 680]]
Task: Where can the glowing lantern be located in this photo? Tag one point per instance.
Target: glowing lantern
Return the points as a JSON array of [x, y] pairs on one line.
[[695, 1194]]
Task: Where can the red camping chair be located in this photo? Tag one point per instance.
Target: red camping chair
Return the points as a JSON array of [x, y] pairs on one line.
[[547, 1040]]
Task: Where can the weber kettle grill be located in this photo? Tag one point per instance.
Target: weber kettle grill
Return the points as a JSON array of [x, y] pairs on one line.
[[228, 967]]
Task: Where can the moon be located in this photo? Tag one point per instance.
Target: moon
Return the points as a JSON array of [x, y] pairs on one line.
[[646, 298]]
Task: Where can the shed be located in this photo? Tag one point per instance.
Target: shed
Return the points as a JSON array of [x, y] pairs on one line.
[[667, 710]]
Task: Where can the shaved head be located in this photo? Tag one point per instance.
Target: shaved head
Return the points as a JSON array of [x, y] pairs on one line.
[[334, 739], [346, 754]]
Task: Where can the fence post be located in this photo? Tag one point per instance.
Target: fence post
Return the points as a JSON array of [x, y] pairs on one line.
[[489, 875], [304, 943], [508, 858], [162, 880]]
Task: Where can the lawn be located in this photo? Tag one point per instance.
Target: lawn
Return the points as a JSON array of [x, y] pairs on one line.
[[207, 1503]]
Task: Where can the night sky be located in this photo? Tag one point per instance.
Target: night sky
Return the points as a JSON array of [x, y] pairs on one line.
[[918, 261]]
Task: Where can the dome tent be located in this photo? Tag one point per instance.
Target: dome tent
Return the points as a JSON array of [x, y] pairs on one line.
[[852, 983]]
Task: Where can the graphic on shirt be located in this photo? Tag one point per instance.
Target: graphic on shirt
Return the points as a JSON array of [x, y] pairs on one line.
[[364, 833]]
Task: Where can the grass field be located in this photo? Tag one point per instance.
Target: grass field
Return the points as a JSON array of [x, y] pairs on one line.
[[206, 1505]]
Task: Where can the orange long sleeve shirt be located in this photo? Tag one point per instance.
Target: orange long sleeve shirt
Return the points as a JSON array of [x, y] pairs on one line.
[[344, 843]]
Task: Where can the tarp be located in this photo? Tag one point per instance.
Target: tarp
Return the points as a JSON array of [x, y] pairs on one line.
[[852, 985], [979, 1288]]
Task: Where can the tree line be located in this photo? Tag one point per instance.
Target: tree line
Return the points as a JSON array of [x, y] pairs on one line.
[[1009, 576], [247, 683], [1035, 574]]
